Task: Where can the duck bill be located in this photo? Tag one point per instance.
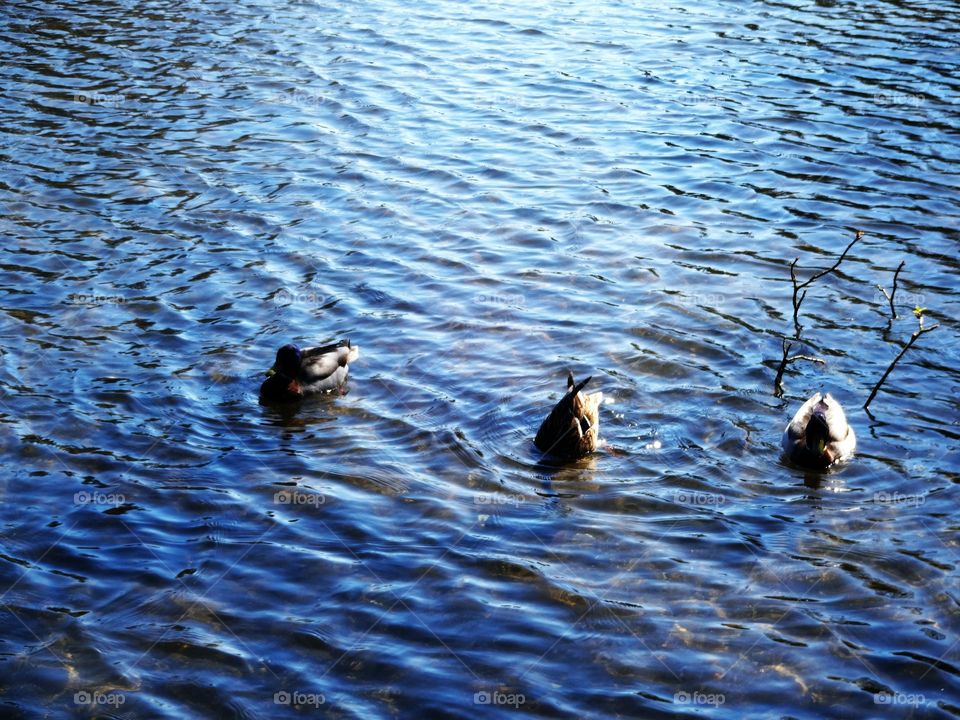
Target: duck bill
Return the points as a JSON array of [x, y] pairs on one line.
[[818, 435], [272, 371]]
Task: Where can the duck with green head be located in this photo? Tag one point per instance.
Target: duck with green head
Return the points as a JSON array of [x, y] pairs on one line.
[[299, 372]]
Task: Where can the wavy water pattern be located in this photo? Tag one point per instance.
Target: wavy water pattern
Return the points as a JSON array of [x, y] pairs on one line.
[[482, 197]]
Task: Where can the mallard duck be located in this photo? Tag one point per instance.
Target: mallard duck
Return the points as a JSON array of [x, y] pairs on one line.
[[298, 373], [571, 429], [818, 436]]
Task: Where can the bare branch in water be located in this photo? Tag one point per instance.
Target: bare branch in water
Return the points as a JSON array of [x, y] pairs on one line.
[[778, 381], [913, 338], [893, 312], [796, 302], [799, 297], [810, 358], [786, 360]]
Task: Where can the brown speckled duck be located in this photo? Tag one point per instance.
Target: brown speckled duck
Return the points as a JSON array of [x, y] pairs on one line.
[[572, 428]]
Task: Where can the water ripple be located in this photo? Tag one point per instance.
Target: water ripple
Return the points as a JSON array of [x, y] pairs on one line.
[[483, 199]]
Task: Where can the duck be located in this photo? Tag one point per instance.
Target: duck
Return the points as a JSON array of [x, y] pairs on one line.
[[572, 428], [299, 372], [819, 436]]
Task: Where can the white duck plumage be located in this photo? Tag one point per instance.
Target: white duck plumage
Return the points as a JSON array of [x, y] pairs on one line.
[[819, 436]]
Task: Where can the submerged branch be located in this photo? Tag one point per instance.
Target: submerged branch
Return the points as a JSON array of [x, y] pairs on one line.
[[778, 381], [893, 312], [799, 297], [786, 360], [913, 338]]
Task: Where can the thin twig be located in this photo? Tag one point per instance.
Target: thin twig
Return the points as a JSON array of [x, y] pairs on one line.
[[913, 338], [891, 295], [798, 286], [888, 296], [810, 358], [786, 360], [796, 302], [778, 381]]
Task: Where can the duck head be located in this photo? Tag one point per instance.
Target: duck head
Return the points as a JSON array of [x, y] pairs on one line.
[[818, 432], [287, 363], [818, 435], [281, 384], [827, 429]]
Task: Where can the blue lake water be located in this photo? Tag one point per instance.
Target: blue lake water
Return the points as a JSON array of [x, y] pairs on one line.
[[482, 197]]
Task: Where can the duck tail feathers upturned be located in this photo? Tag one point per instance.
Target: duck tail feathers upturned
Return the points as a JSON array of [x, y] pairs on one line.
[[579, 386]]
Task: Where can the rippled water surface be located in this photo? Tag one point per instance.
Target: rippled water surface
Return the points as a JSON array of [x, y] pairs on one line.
[[482, 197]]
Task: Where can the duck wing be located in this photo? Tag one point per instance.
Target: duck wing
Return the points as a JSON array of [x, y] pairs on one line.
[[325, 367], [561, 431], [591, 408]]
